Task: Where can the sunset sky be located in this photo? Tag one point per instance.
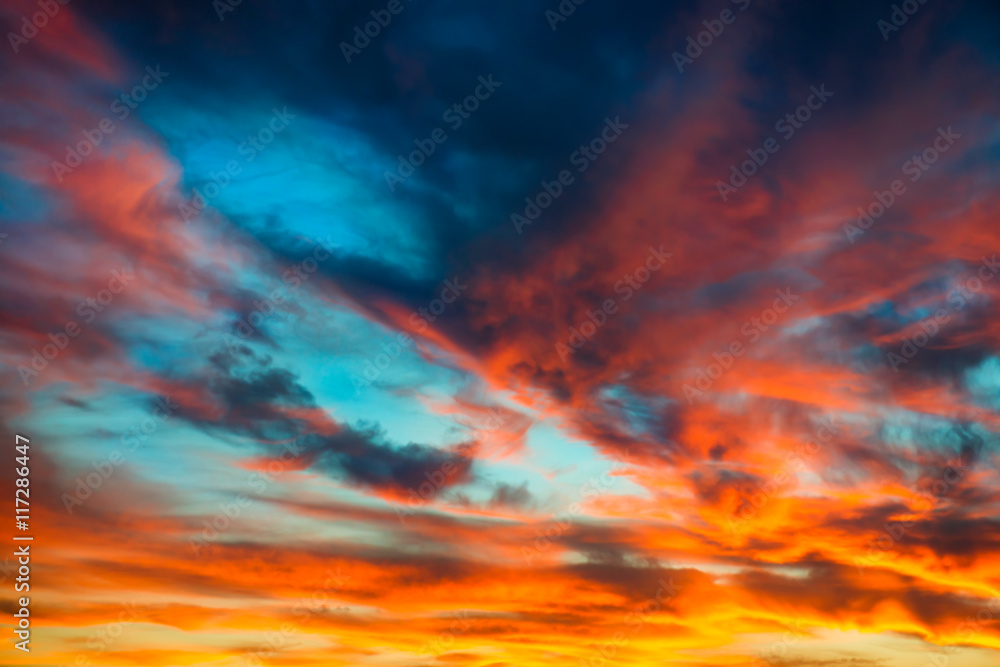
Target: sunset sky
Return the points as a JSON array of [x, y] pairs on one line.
[[425, 333]]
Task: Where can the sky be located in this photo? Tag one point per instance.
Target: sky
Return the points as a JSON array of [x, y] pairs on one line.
[[425, 333]]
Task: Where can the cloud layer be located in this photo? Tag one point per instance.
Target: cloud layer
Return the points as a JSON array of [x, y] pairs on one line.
[[521, 334]]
